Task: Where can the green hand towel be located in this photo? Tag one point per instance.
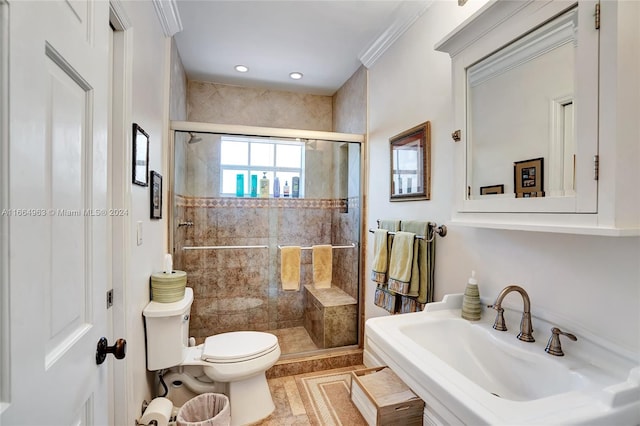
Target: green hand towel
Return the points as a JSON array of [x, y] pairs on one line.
[[380, 256], [401, 262], [423, 280], [391, 225]]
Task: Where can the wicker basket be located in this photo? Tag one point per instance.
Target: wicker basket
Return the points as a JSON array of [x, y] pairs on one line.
[[167, 288]]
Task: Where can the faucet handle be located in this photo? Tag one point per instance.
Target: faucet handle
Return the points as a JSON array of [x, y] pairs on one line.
[[499, 324], [553, 346]]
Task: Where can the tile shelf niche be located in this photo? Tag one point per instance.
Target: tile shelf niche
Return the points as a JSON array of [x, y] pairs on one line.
[[606, 200]]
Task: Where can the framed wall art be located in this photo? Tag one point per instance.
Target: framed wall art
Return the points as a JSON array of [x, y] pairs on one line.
[[411, 164], [492, 189], [156, 196], [140, 156], [528, 178]]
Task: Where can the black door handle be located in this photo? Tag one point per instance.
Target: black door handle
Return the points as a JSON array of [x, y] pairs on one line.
[[119, 350]]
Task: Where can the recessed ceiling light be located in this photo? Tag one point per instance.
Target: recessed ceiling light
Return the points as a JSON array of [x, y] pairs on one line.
[[241, 68], [296, 75]]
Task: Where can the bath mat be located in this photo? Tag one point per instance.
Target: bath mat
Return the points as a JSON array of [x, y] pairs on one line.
[[327, 399]]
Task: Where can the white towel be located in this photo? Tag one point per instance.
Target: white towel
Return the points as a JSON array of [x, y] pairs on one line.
[[290, 267]]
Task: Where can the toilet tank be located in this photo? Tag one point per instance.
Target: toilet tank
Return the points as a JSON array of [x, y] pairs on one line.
[[167, 331]]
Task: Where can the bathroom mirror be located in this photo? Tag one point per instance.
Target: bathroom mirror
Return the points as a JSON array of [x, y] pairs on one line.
[[410, 164], [525, 84], [520, 106]]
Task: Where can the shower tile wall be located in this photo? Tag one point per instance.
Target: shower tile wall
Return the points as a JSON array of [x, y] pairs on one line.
[[239, 289], [228, 104], [346, 230]]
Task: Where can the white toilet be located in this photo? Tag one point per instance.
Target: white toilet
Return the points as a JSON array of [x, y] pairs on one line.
[[236, 360]]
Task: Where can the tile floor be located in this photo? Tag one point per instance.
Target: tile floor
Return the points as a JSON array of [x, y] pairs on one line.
[[294, 340], [289, 406], [290, 409]]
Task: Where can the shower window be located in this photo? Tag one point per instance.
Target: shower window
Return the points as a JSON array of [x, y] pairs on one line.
[[256, 156]]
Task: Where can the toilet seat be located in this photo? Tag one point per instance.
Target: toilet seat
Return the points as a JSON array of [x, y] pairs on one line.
[[238, 346]]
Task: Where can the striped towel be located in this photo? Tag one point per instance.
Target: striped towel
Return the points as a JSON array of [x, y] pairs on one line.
[[401, 262], [380, 256]]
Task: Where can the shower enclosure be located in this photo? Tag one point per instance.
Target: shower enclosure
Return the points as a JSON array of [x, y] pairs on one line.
[[227, 237]]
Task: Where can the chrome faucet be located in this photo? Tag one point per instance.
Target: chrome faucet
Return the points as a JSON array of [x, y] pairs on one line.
[[526, 329]]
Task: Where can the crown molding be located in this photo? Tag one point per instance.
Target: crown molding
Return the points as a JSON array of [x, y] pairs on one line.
[[405, 15], [169, 16]]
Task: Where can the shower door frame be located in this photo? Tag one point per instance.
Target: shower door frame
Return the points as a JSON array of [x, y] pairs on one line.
[[242, 130]]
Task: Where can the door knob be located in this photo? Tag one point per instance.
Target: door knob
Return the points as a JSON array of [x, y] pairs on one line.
[[119, 350]]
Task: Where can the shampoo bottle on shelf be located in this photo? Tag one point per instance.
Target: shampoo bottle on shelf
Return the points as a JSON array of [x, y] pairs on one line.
[[295, 187], [285, 190], [264, 186], [240, 185], [254, 186], [471, 308], [276, 187]]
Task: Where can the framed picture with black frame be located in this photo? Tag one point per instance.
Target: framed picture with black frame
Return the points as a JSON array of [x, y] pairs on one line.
[[155, 206]]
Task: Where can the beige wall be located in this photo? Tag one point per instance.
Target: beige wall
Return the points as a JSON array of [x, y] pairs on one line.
[[350, 104], [178, 111], [224, 104], [178, 86], [350, 116]]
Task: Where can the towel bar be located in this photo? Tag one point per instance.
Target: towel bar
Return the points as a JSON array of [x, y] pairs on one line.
[[223, 247], [352, 245], [440, 230]]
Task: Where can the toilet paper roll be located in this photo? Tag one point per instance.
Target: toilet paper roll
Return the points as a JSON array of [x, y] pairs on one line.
[[168, 263], [159, 410]]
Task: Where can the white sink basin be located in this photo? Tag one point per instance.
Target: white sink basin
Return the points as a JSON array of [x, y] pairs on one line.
[[504, 370], [469, 373]]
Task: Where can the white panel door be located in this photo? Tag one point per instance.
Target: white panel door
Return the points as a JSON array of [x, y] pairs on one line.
[[58, 82]]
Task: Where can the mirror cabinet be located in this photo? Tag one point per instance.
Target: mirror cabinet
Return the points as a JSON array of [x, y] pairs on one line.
[[534, 85]]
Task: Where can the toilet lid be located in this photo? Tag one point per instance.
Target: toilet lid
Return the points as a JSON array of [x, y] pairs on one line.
[[238, 346]]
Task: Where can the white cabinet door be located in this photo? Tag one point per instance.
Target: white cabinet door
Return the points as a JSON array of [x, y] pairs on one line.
[[58, 228]]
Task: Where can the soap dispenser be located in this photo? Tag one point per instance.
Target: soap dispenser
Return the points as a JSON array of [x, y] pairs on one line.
[[286, 188], [276, 187], [471, 309]]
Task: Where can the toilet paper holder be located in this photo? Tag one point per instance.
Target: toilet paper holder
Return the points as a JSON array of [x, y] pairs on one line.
[[158, 412], [145, 404]]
